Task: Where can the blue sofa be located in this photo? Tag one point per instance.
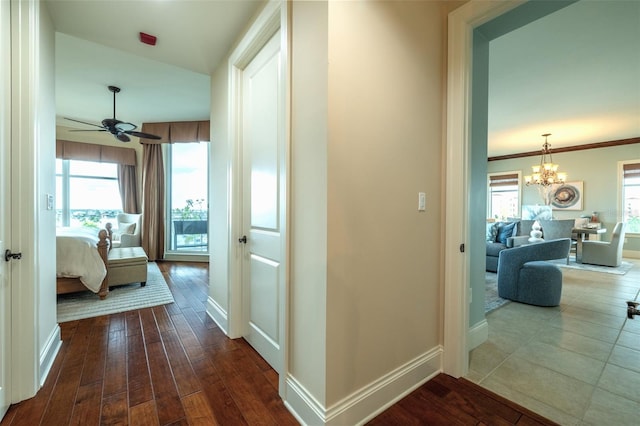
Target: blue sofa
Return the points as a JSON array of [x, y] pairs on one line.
[[524, 276], [503, 235]]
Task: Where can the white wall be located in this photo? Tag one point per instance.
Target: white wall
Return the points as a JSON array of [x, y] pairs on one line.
[[309, 197], [365, 283], [385, 131]]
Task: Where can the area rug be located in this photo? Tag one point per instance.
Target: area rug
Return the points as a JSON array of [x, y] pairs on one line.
[[491, 299], [620, 270], [75, 306]]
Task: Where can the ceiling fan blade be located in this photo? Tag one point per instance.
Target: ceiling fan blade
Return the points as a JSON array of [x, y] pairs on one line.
[[122, 137], [83, 122], [87, 130], [143, 135]]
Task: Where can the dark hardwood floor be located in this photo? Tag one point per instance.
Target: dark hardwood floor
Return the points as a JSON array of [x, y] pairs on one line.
[[171, 365]]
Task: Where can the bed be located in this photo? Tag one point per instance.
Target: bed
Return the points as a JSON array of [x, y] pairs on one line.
[[81, 259]]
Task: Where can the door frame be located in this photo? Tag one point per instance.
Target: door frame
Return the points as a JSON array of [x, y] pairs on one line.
[[272, 18], [5, 213], [462, 22], [23, 319]]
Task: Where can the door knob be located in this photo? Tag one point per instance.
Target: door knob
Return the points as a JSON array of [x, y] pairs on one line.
[[8, 255], [243, 240]]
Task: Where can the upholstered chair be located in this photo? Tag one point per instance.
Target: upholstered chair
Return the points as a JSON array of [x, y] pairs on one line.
[[556, 229], [603, 252], [525, 276], [127, 234]]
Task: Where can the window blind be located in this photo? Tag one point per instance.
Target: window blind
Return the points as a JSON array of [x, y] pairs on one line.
[[503, 180]]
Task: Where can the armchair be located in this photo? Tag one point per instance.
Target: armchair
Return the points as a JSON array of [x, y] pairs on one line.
[[127, 234], [524, 276], [605, 253]]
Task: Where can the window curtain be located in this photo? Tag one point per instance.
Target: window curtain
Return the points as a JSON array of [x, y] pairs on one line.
[[153, 195], [153, 201], [128, 184]]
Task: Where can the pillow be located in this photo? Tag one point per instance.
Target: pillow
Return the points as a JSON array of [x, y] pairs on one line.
[[126, 228], [505, 231], [492, 232]]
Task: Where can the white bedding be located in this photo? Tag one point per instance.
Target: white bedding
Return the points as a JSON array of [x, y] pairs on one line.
[[77, 256]]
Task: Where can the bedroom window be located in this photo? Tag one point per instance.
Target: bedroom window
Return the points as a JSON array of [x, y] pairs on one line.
[[187, 186], [631, 196], [87, 193], [503, 195]]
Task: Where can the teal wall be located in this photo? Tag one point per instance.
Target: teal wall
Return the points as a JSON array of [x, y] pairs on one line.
[[598, 171]]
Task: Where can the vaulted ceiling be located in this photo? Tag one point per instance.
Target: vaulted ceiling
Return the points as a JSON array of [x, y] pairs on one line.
[[573, 74]]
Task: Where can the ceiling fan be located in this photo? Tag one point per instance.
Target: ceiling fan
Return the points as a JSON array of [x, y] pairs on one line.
[[120, 129]]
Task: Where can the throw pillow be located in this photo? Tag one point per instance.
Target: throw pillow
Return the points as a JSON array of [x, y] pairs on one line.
[[126, 228], [505, 231], [492, 232]]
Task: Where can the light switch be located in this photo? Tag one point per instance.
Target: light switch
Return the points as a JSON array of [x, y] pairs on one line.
[[422, 201]]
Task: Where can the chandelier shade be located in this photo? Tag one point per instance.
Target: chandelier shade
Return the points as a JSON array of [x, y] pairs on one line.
[[546, 173]]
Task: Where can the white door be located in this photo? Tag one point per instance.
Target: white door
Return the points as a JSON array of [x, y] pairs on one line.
[[262, 147], [5, 211]]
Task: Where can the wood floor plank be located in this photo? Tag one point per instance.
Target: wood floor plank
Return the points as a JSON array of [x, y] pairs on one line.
[[86, 410], [165, 392], [116, 363], [149, 326], [183, 374], [94, 361], [115, 410], [139, 381], [198, 410], [144, 414], [189, 340]]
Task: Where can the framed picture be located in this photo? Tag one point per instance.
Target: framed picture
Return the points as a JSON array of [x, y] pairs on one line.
[[535, 212], [567, 196]]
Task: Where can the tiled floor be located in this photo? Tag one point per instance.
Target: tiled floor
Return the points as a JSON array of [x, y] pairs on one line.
[[576, 364]]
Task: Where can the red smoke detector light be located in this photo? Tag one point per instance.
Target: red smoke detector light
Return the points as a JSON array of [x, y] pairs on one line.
[[148, 39]]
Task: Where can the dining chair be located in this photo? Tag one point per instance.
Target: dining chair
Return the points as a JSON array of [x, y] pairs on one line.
[[557, 229], [606, 253]]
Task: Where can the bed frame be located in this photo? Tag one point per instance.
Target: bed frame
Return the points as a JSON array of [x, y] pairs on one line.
[[72, 285]]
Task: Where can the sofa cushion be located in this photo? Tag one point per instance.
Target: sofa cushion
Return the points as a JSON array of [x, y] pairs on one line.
[[494, 249], [505, 231]]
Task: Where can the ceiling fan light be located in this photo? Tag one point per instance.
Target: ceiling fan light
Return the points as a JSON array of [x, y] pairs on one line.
[[125, 127]]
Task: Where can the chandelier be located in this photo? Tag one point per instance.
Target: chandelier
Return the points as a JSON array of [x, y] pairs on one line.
[[545, 174]]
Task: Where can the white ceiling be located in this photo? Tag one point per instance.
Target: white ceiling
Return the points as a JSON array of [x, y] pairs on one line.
[[574, 74], [97, 45]]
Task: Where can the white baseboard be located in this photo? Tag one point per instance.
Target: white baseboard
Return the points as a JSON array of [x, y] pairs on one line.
[[48, 354], [631, 254], [478, 334], [217, 314], [368, 402]]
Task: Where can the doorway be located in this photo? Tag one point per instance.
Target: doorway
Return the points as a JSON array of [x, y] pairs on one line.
[[258, 204], [471, 27]]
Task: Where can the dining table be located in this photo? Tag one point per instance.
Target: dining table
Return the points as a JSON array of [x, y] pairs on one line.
[[582, 234]]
